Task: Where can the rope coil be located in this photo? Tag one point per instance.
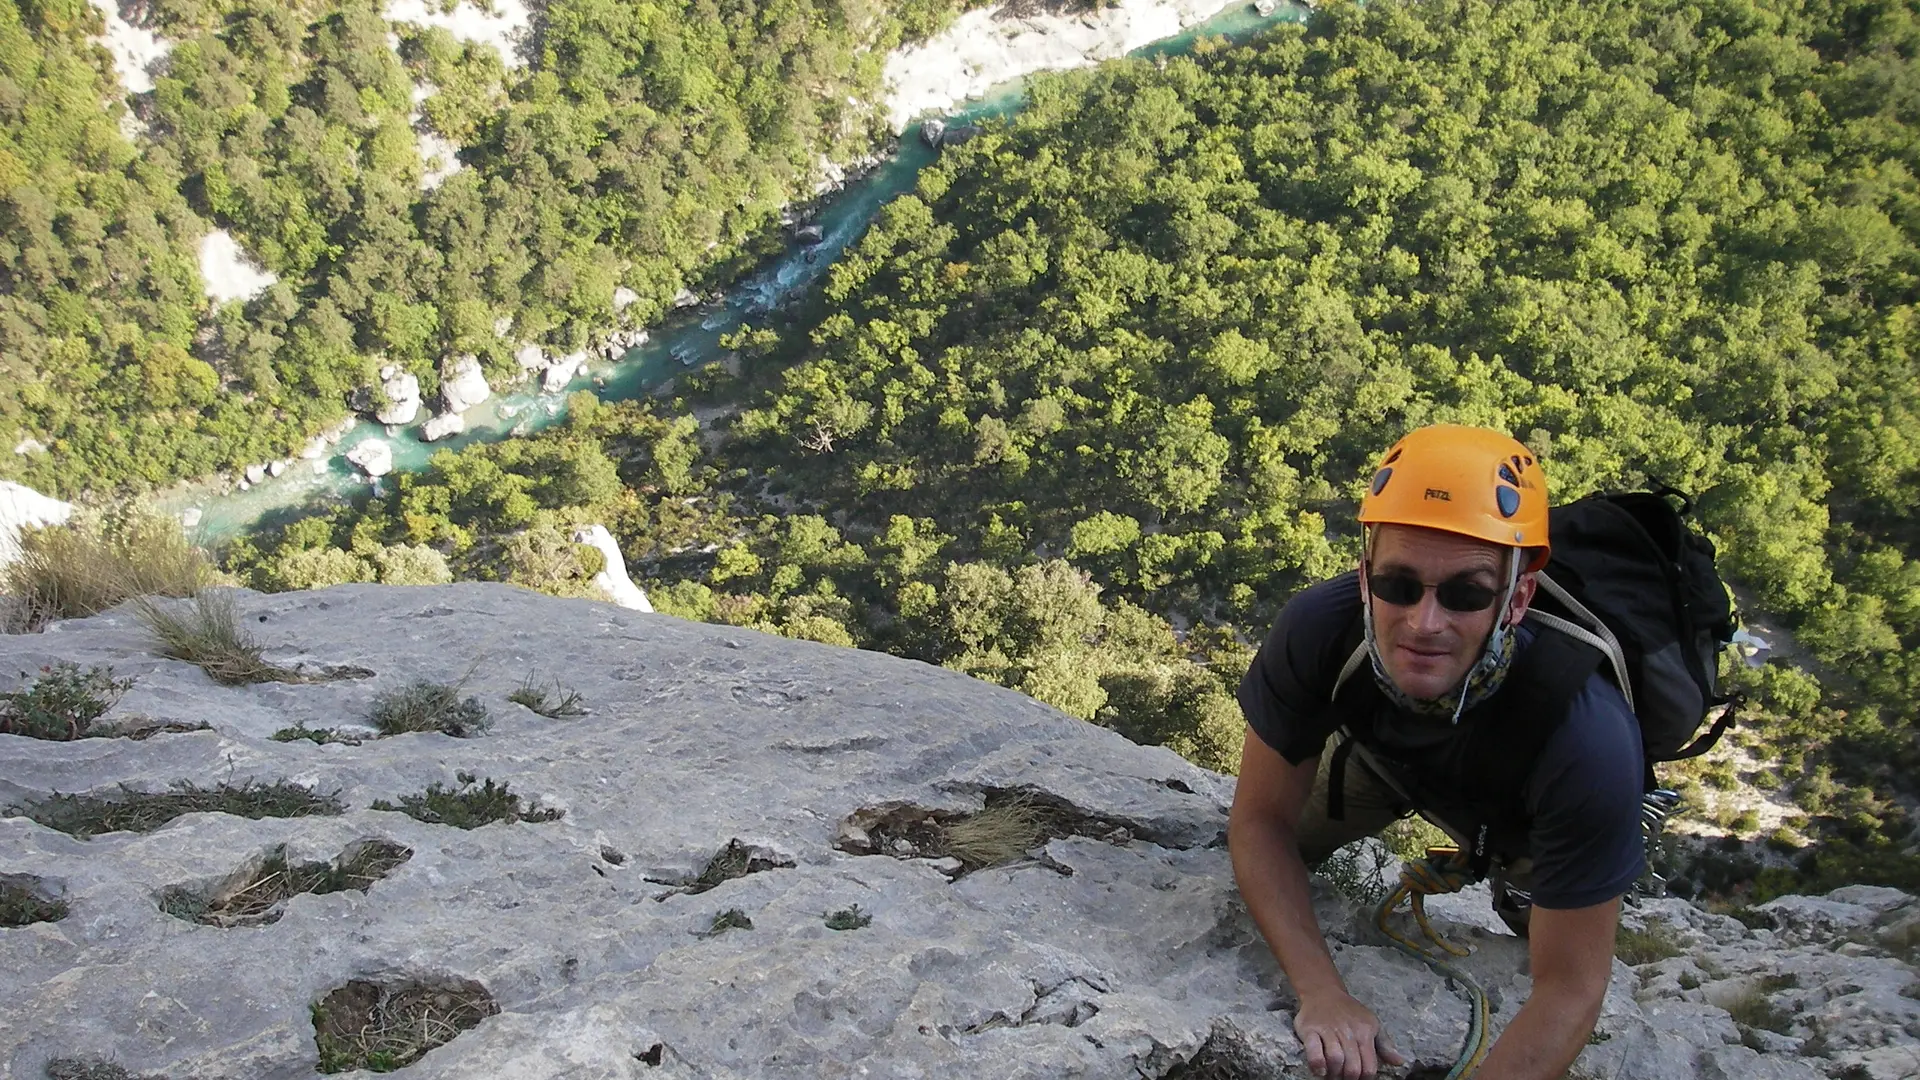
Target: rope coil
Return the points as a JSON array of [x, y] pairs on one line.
[[1444, 870]]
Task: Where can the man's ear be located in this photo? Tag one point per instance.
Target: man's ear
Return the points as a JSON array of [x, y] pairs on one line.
[[1522, 598]]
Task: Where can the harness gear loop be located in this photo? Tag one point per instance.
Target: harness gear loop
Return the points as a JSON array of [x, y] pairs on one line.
[[1444, 870]]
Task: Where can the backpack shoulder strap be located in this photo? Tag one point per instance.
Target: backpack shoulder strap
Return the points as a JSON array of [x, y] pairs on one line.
[[1352, 665], [1594, 633]]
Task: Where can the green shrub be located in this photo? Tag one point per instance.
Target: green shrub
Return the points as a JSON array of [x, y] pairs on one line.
[[62, 703], [849, 918], [468, 807]]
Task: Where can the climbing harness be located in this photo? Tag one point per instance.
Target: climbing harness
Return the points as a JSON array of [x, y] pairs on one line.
[[1444, 870]]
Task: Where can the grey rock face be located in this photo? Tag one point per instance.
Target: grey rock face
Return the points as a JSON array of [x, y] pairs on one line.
[[1118, 948]]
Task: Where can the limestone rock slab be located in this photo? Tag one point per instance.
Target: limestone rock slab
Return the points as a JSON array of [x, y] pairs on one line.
[[1117, 951]]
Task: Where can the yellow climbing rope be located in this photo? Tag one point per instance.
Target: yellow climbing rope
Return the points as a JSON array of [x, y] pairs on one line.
[[1444, 870]]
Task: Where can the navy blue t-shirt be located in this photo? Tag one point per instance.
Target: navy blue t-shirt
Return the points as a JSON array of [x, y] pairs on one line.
[[1583, 795]]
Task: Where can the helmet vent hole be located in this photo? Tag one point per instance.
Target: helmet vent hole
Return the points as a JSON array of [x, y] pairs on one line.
[[1506, 474], [1509, 500], [1380, 480], [1391, 458]]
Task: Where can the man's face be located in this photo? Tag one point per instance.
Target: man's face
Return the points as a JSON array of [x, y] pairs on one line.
[[1427, 649]]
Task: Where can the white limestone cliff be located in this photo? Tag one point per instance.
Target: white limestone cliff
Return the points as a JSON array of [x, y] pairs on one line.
[[22, 507], [613, 579], [992, 45]]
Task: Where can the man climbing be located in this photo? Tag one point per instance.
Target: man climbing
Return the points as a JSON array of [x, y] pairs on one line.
[[1428, 718]]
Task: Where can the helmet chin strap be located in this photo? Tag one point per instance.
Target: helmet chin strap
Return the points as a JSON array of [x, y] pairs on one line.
[[1496, 638]]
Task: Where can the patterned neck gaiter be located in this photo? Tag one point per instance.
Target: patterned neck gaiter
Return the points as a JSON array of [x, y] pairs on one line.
[[1482, 681]]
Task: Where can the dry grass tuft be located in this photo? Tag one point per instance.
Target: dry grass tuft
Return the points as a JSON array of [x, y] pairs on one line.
[[207, 633], [555, 702], [253, 897], [1755, 1009], [98, 562], [998, 833], [386, 1026]]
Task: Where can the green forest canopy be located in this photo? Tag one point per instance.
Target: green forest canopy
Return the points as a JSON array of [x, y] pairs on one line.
[[1118, 364]]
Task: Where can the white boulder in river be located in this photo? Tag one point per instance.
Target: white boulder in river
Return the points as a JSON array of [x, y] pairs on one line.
[[373, 457], [439, 427], [724, 778], [402, 389], [462, 384], [613, 579], [22, 507]]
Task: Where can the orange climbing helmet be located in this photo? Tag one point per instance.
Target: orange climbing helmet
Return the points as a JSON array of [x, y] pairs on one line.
[[1465, 480]]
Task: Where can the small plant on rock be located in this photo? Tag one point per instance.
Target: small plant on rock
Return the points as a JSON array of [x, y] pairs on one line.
[[144, 811], [62, 703], [554, 702], [91, 1069], [22, 904], [1649, 945], [429, 706], [730, 919], [736, 860], [468, 807], [317, 736], [1754, 1009], [849, 918]]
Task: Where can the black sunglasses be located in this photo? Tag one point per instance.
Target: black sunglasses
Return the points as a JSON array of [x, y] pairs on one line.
[[1459, 593]]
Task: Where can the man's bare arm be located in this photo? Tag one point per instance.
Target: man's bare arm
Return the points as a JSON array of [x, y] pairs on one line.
[[1340, 1035], [1572, 961]]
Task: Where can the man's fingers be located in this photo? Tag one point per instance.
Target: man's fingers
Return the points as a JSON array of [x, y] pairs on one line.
[[1336, 1057], [1350, 1052], [1316, 1053]]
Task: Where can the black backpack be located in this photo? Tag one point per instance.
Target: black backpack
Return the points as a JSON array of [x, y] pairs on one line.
[[1631, 571]]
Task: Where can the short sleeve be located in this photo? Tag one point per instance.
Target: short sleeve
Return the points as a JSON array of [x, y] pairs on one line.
[[1287, 691], [1584, 795]]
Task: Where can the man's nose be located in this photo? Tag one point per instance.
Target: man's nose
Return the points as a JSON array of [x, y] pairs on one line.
[[1427, 616]]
